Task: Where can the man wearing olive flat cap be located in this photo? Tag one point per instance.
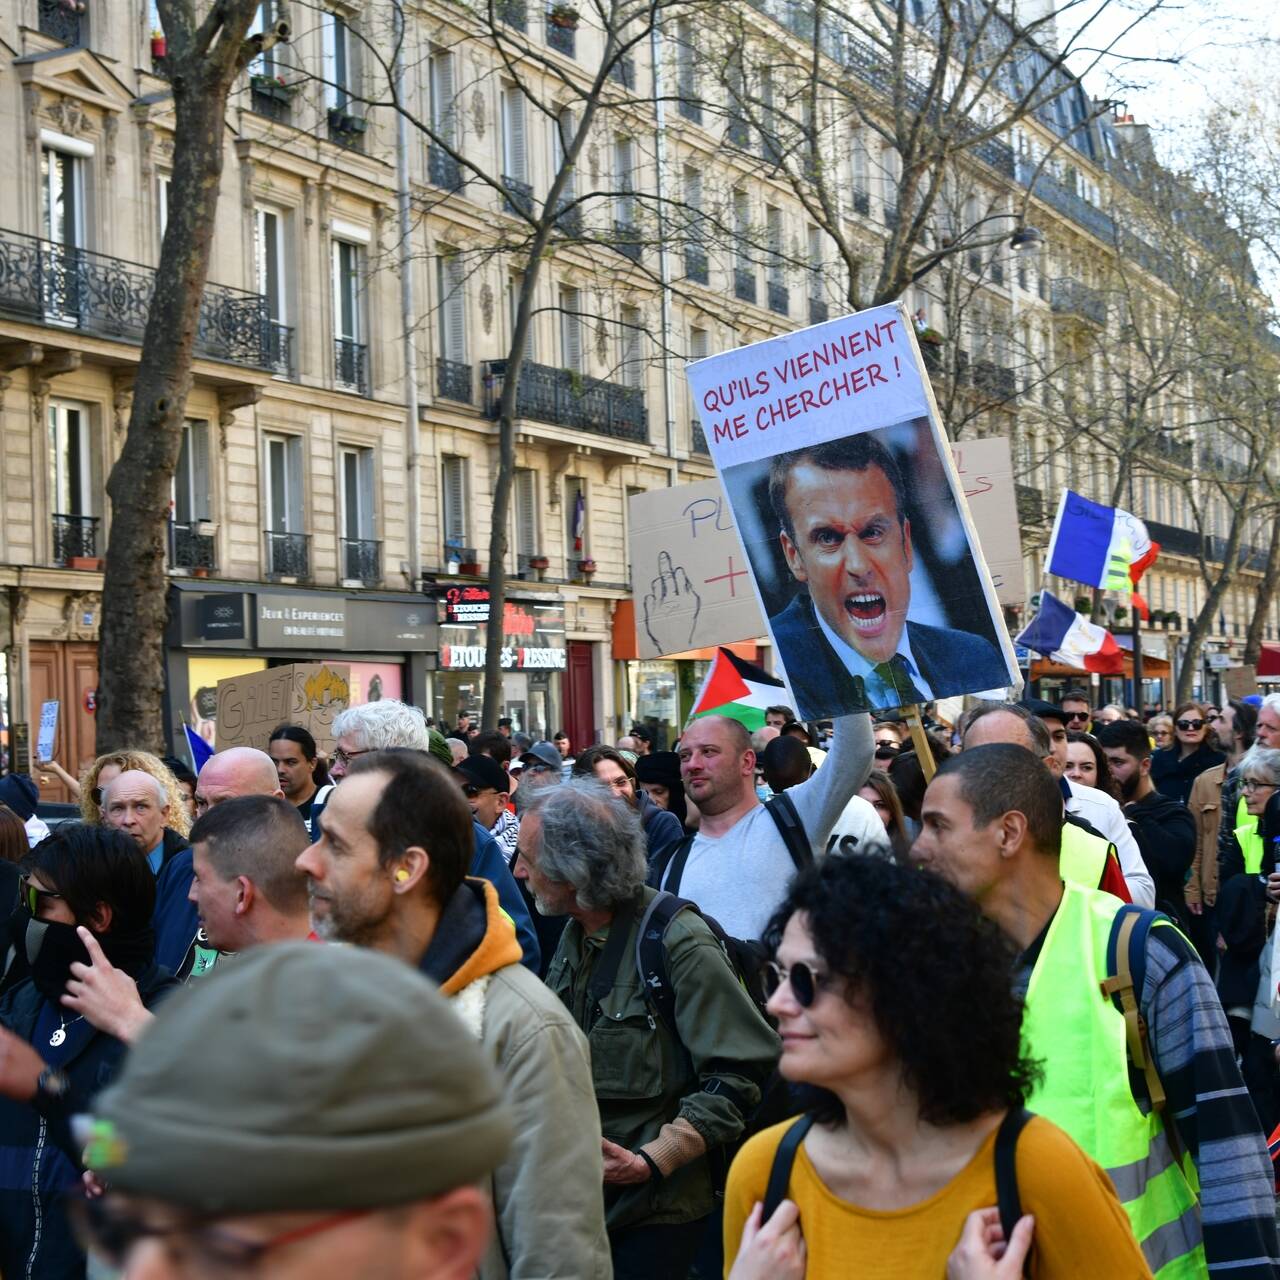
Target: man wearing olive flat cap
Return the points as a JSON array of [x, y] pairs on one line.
[[335, 1121]]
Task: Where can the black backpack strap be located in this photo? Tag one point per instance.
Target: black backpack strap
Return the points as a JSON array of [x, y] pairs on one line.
[[651, 955], [675, 858], [615, 946], [783, 1159], [782, 809], [1008, 1201]]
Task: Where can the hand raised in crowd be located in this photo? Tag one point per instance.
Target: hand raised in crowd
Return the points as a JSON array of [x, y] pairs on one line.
[[981, 1252], [20, 1067], [622, 1167], [1273, 887], [105, 996], [774, 1251]]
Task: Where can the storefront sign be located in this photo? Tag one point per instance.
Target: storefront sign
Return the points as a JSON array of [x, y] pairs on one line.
[[307, 693], [532, 632], [466, 604], [380, 626], [222, 616], [301, 622], [514, 658]]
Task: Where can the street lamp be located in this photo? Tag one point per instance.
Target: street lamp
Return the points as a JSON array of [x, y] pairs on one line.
[[1026, 237]]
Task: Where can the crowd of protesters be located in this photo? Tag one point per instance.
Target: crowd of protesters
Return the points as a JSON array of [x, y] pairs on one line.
[[779, 1004]]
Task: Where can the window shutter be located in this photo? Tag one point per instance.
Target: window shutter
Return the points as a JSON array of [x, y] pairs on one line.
[[368, 525], [454, 521], [329, 37], [453, 332], [516, 156], [294, 455], [443, 109], [570, 330], [198, 436], [632, 348], [526, 513]]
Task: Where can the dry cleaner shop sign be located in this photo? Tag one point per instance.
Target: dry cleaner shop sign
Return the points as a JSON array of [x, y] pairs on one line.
[[532, 632]]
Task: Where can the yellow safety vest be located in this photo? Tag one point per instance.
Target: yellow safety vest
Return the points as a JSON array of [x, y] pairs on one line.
[[1249, 838], [1079, 1035], [1084, 856]]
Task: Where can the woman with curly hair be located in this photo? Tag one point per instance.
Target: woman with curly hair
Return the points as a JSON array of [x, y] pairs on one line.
[[893, 996], [110, 766]]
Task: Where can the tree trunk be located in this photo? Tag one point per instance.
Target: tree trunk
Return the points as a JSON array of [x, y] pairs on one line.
[[134, 607], [1266, 596]]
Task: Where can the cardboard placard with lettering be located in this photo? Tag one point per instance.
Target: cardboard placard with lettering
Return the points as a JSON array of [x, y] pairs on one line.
[[864, 556], [1240, 682], [985, 468], [690, 582], [307, 693]]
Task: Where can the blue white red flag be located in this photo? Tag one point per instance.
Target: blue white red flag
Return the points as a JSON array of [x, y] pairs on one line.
[[1099, 546], [199, 748], [579, 520], [1064, 636]]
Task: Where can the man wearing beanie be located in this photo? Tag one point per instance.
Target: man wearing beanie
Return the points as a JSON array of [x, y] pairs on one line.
[[389, 872], [335, 1122], [659, 778]]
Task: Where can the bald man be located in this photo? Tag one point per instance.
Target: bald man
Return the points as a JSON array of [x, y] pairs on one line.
[[180, 944], [137, 803]]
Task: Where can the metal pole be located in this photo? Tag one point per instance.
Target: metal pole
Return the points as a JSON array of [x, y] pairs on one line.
[[1136, 621]]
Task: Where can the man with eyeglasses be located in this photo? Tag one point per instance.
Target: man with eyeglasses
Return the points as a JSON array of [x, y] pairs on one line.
[[488, 788], [1266, 734], [1076, 710], [347, 1122]]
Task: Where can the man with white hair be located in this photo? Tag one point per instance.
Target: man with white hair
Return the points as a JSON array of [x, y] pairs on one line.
[[136, 803], [389, 725]]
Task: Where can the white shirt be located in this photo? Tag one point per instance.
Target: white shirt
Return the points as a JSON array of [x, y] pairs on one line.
[[740, 877], [879, 693], [1104, 814]]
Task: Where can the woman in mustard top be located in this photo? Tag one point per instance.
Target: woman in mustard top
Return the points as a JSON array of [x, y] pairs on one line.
[[893, 996]]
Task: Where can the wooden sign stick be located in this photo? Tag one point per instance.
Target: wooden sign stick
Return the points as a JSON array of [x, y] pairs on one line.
[[920, 740]]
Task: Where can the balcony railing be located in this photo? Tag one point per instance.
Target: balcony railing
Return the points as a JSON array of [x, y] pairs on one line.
[[779, 298], [563, 39], [280, 348], [891, 216], [569, 218], [453, 380], [189, 548], [74, 537], [994, 380], [737, 133], [515, 13], [861, 203], [1064, 200], [269, 97], [1070, 297], [443, 170], [519, 196], [819, 312], [62, 20], [108, 297], [351, 365], [698, 438], [623, 71], [999, 155], [1180, 452], [568, 399], [288, 554], [744, 284], [362, 560], [691, 110], [626, 239], [347, 130], [1030, 502], [696, 267]]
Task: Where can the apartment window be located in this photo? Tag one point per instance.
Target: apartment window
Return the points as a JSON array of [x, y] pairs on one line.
[[631, 353], [71, 469], [442, 169], [339, 62], [287, 549], [514, 285], [570, 330], [453, 506], [624, 207], [695, 254], [360, 558], [858, 173], [191, 478], [515, 157], [454, 373], [575, 519], [564, 127], [62, 197], [163, 185], [265, 64], [270, 262], [687, 72], [699, 348], [525, 515], [350, 350], [744, 275], [778, 299]]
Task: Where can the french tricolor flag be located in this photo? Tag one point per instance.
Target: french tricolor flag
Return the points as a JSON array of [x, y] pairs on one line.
[[1099, 546], [1064, 636]]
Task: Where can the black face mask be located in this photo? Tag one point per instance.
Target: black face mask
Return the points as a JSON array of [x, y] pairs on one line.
[[52, 949]]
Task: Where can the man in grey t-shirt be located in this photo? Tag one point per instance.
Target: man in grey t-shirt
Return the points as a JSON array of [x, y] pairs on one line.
[[739, 866]]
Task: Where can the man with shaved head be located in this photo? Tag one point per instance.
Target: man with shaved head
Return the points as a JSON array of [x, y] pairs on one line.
[[737, 866], [136, 803], [239, 771]]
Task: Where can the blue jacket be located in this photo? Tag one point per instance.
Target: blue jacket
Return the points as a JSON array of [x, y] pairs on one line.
[[952, 662], [174, 920]]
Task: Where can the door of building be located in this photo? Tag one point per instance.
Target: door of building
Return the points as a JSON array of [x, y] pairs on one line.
[[67, 671], [580, 695]]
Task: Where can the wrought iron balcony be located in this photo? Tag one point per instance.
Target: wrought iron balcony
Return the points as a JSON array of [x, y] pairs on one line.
[[566, 398], [1180, 452], [347, 130], [861, 203], [994, 380], [280, 348], [623, 71], [63, 20], [443, 170], [514, 13], [351, 365], [519, 196], [931, 354], [74, 537], [92, 293], [626, 239], [270, 96], [1070, 297], [891, 216], [563, 39], [999, 155], [189, 548], [362, 560], [1030, 502], [698, 438], [744, 284], [779, 298], [691, 110], [819, 312], [288, 554], [569, 218], [696, 268], [453, 380], [737, 133], [1064, 200]]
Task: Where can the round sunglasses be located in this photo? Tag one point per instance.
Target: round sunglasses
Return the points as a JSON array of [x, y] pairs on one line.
[[805, 982]]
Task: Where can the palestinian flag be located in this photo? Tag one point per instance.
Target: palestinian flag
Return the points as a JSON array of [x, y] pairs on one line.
[[737, 689]]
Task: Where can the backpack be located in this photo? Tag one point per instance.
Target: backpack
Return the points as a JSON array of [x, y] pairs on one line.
[[782, 809], [1007, 1198]]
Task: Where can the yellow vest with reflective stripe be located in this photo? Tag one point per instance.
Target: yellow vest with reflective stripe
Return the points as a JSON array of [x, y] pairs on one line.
[[1249, 838], [1079, 1035], [1084, 856]]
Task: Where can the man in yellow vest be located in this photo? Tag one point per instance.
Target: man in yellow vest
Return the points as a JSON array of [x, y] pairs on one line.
[[1194, 1176]]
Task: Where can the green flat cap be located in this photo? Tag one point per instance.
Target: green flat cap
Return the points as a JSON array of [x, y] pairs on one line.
[[302, 1076]]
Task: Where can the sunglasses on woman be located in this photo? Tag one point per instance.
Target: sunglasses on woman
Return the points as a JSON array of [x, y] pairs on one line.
[[33, 896], [805, 982], [1189, 726]]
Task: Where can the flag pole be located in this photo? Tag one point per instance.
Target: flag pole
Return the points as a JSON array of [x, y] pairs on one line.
[[920, 740]]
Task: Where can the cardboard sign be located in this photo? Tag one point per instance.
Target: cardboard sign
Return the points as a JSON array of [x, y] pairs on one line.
[[852, 517], [689, 579], [48, 730], [985, 468], [1240, 682], [307, 693]]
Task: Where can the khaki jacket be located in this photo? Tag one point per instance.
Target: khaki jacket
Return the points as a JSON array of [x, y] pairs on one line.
[[1205, 803]]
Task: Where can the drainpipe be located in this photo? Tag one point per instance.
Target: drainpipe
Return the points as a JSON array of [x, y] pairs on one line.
[[664, 264]]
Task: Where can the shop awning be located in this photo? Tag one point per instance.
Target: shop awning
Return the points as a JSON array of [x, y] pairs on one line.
[[1269, 661], [1152, 668]]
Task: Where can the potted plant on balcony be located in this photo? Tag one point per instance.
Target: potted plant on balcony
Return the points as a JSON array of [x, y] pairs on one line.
[[1084, 605], [1155, 618], [1172, 620], [930, 337], [344, 122], [159, 45], [273, 87], [470, 566], [1120, 613], [587, 566], [564, 16]]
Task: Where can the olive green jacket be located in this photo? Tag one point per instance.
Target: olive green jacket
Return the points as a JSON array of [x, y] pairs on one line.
[[645, 1076]]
